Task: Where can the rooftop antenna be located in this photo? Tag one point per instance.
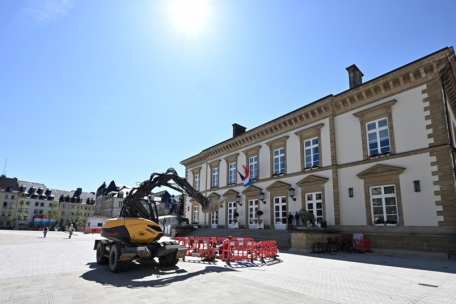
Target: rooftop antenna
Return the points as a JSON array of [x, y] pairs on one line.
[[4, 168]]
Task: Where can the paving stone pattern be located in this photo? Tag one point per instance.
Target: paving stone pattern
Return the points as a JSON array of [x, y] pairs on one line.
[[57, 269]]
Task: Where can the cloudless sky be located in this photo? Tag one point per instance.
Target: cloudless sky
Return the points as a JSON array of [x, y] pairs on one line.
[[98, 90]]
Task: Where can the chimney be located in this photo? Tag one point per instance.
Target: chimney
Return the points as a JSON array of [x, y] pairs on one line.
[[238, 130], [355, 76]]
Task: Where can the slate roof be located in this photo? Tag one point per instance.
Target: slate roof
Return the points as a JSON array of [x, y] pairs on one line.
[[6, 182], [40, 191]]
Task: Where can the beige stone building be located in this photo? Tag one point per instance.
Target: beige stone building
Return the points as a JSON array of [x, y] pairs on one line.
[[376, 159], [37, 198]]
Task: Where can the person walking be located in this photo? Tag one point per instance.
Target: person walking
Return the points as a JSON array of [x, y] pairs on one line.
[[290, 219], [45, 230], [70, 230], [297, 218]]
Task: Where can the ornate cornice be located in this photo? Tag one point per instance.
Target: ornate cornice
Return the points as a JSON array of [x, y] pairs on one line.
[[412, 74]]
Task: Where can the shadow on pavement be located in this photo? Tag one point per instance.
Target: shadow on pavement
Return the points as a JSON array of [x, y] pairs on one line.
[[145, 274], [411, 262]]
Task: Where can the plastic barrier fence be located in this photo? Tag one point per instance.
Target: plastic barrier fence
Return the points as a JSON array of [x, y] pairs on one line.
[[237, 251], [265, 249], [362, 245], [202, 247], [230, 249]]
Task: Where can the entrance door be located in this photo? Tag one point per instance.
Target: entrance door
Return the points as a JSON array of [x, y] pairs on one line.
[[231, 210], [195, 215], [253, 208], [214, 219], [315, 205], [280, 213]]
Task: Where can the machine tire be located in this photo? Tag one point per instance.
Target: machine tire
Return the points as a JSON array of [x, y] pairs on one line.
[[167, 260], [175, 261], [101, 259], [114, 264]]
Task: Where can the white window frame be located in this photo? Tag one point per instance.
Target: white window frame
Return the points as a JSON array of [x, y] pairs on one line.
[[377, 131], [309, 151], [195, 214], [231, 211], [232, 173], [383, 197], [316, 200], [215, 177], [214, 219], [279, 161], [197, 182], [280, 210], [253, 167], [253, 208]]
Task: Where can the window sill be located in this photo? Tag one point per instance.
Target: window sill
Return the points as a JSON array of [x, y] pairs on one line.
[[386, 224], [374, 156], [311, 168]]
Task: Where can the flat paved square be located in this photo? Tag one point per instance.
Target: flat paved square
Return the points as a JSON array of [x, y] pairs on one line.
[[57, 269]]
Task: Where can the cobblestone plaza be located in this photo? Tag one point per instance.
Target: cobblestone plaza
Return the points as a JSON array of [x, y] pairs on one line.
[[57, 269]]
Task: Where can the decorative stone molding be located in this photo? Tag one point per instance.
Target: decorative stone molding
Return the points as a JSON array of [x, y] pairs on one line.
[[252, 191], [229, 160], [374, 113], [251, 152], [307, 134], [213, 165], [380, 171], [230, 195], [274, 145], [277, 189], [311, 180], [195, 171], [382, 87], [311, 184], [382, 175], [278, 186], [214, 195]]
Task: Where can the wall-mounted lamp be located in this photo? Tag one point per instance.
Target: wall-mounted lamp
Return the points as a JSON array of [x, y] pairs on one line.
[[261, 197], [350, 192], [417, 185], [238, 200], [291, 193]]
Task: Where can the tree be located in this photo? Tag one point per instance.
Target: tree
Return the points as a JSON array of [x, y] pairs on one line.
[[77, 218], [20, 210], [53, 211]]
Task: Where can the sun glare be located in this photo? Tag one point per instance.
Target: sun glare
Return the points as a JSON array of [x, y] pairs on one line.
[[189, 15]]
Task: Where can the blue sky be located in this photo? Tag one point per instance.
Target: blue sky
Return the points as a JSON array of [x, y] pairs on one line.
[[94, 91]]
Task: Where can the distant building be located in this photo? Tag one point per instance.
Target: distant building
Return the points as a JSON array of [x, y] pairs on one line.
[[38, 198], [9, 191], [109, 199]]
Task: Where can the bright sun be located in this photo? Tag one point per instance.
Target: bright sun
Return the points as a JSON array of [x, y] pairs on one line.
[[190, 15]]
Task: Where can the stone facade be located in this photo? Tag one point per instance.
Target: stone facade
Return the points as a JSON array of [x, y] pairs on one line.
[[382, 151]]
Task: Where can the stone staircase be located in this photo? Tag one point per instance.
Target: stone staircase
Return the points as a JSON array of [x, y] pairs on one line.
[[282, 237]]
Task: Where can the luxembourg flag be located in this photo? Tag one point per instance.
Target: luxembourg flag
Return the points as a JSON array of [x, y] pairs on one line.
[[245, 178]]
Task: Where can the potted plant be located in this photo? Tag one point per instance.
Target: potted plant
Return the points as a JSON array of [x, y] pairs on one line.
[[236, 214], [259, 213], [379, 221], [391, 223]]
